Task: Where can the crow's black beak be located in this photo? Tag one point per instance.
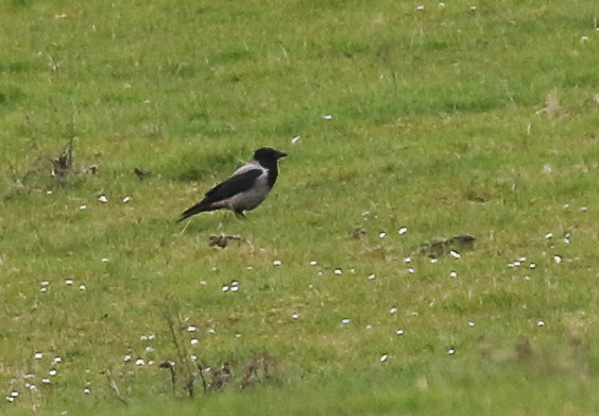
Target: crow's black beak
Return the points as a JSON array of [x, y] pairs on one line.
[[281, 154]]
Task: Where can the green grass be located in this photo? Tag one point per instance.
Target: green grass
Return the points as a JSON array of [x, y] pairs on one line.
[[475, 118]]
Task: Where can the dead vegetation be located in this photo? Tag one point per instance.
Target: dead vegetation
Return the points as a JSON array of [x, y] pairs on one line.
[[223, 241], [59, 167], [552, 105], [187, 370], [571, 358], [62, 165], [258, 370], [358, 233], [141, 173], [438, 248], [115, 388]]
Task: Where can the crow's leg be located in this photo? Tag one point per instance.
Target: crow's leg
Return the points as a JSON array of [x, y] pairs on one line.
[[240, 214]]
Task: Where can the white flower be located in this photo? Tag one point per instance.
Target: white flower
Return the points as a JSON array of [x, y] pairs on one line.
[[455, 254]]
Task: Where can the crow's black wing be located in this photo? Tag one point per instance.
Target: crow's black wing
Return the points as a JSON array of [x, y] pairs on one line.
[[232, 186]]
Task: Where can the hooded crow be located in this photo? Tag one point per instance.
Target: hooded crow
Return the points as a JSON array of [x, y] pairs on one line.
[[245, 189]]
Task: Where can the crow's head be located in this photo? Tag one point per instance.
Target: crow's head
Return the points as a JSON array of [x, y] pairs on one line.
[[267, 156]]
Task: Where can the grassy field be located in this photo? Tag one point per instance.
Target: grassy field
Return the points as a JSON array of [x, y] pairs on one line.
[[354, 296]]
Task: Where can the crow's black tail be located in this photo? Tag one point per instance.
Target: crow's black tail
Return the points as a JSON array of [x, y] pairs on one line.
[[196, 209]]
